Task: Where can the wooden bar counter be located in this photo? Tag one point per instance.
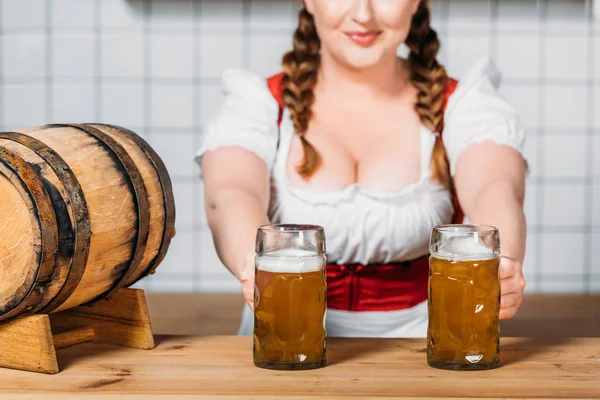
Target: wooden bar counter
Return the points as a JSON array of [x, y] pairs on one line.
[[551, 349], [220, 367]]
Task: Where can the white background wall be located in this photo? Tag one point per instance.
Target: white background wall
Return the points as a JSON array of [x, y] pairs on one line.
[[154, 67]]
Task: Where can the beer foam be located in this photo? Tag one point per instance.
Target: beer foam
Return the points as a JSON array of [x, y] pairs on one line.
[[464, 248], [290, 261]]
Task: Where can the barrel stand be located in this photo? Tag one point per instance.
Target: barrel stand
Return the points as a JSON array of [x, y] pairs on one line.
[[29, 343]]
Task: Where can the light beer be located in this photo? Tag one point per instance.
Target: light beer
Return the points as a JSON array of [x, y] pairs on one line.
[[464, 302], [290, 304]]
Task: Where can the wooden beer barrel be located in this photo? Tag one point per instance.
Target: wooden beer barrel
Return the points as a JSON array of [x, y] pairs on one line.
[[84, 211]]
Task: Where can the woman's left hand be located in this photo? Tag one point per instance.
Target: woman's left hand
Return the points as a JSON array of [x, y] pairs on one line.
[[512, 284]]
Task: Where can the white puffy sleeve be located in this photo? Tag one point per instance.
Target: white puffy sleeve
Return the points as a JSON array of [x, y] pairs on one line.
[[477, 113], [247, 117]]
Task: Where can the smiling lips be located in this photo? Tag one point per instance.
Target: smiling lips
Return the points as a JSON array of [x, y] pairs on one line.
[[363, 38]]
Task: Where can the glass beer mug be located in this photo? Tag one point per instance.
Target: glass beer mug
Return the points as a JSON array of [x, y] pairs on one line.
[[290, 297], [464, 298]]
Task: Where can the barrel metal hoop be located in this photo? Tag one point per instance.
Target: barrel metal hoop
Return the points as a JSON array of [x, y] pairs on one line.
[[140, 198], [167, 189], [80, 211], [31, 184]]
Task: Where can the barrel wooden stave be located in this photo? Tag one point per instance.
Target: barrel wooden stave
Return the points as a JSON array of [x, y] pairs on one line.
[[21, 233], [167, 189], [110, 206], [155, 197], [109, 177], [63, 213], [34, 264]]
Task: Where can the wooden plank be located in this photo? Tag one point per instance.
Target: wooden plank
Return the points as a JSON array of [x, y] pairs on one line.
[[221, 367], [26, 343], [73, 337], [266, 396], [123, 320]]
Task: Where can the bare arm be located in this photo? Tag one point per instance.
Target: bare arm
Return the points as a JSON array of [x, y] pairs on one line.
[[490, 183], [237, 195]]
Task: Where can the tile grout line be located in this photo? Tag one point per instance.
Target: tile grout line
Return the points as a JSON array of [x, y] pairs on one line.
[[494, 6], [443, 30], [589, 192], [98, 92], [444, 16], [589, 13], [531, 132], [537, 268], [457, 32], [583, 228], [566, 229], [146, 12], [565, 181], [197, 103], [2, 88], [48, 79], [294, 10], [246, 32], [574, 278], [461, 32], [216, 80]]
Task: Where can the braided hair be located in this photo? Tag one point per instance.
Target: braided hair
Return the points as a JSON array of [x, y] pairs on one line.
[[301, 66]]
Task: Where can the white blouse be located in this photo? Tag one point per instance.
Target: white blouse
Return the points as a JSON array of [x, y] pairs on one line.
[[362, 225]]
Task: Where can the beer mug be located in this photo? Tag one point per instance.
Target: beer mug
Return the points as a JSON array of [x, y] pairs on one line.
[[464, 298], [290, 297]]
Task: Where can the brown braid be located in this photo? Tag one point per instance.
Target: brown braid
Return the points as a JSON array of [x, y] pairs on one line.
[[301, 66], [429, 77]]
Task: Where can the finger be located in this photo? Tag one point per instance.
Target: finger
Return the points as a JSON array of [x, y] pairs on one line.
[[515, 284], [508, 313], [250, 300], [249, 296], [510, 300], [248, 291], [507, 269]]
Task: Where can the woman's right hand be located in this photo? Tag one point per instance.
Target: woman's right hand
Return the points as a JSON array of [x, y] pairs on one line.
[[247, 280], [236, 184]]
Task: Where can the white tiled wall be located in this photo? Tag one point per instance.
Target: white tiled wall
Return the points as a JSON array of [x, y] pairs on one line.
[[154, 67]]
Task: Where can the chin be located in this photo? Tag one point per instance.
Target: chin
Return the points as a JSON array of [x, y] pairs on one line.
[[362, 58]]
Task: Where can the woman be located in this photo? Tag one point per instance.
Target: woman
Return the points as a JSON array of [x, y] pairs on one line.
[[357, 147]]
